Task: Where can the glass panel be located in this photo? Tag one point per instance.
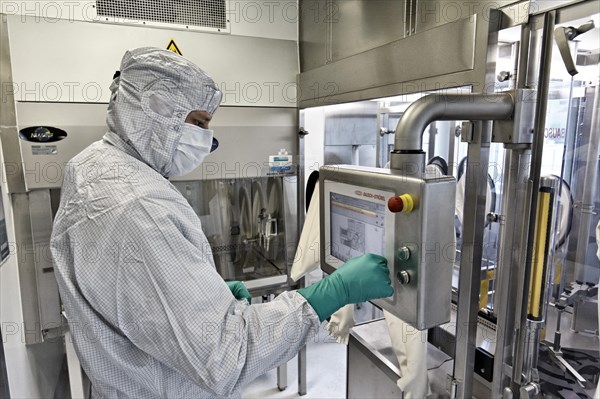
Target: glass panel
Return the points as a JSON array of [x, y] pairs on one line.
[[571, 152], [243, 220]]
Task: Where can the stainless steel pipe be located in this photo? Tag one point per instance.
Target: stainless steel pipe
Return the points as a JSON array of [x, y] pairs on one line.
[[443, 107]]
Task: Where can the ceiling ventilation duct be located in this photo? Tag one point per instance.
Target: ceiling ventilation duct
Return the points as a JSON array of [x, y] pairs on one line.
[[188, 14]]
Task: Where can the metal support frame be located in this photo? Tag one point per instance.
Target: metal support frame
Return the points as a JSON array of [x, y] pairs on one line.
[[511, 236], [532, 195], [474, 223], [451, 148], [408, 151], [470, 265], [282, 377], [520, 182], [302, 372], [281, 369], [433, 131], [301, 216], [511, 242]]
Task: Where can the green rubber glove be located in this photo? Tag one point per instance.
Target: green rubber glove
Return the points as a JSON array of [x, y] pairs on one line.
[[239, 291], [359, 280]]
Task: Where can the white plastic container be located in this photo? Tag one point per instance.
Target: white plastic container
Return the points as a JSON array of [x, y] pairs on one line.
[[280, 163]]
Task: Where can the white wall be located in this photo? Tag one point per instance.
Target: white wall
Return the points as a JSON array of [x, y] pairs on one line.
[[32, 370], [58, 55]]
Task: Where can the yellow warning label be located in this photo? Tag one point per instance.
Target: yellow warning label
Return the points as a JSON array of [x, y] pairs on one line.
[[173, 47]]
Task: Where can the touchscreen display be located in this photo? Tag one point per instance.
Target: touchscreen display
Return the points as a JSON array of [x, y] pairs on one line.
[[357, 226]]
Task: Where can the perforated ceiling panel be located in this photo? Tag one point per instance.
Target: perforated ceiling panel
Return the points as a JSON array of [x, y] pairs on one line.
[[197, 13]]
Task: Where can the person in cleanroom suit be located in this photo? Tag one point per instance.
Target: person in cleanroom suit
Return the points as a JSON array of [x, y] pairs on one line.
[[149, 314]]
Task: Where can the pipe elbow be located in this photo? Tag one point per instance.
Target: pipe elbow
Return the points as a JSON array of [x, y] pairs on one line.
[[410, 128]]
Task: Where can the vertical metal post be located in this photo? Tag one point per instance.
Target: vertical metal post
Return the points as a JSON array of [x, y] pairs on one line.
[[451, 148], [511, 238], [282, 377], [281, 369], [511, 243], [302, 372], [532, 188], [378, 138], [300, 173], [431, 147], [301, 216], [514, 74], [471, 258], [523, 57], [472, 248], [382, 150]]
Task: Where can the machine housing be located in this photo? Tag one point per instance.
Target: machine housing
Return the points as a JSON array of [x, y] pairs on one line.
[[356, 219]]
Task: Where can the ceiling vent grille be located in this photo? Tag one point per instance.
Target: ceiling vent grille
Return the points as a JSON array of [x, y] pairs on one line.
[[189, 13]]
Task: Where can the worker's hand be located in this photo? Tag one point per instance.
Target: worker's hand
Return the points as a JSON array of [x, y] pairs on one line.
[[239, 291], [364, 278], [360, 279]]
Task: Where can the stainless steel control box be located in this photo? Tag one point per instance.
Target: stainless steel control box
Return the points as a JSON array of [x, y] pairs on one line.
[[415, 232]]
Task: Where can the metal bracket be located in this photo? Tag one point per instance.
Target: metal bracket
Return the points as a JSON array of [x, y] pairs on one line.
[[563, 35], [410, 17], [466, 132], [519, 129]]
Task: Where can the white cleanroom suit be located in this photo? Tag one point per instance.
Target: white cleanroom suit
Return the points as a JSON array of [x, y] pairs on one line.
[[149, 314]]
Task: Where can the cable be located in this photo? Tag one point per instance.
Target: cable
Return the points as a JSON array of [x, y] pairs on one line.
[[441, 364]]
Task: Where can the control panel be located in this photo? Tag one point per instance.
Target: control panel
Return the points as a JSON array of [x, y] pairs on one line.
[[408, 220]]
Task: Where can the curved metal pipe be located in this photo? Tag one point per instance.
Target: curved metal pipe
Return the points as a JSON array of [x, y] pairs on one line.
[[443, 107]]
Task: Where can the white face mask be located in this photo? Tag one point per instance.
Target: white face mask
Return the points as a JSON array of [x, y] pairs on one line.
[[194, 145]]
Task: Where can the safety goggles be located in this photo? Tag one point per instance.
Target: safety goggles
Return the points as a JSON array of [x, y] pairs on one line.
[[210, 103], [214, 145], [211, 99]]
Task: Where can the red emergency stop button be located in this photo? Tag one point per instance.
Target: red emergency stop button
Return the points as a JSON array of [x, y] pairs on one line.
[[401, 203]]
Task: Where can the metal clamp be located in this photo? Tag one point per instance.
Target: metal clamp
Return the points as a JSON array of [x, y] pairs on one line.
[[519, 129]]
